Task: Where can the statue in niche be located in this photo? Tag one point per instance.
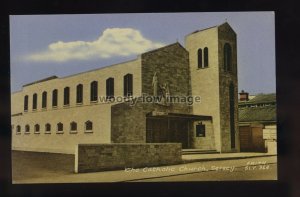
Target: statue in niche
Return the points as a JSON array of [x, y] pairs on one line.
[[155, 84]]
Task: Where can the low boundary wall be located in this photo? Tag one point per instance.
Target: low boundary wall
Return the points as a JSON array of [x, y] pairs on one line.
[[100, 157]]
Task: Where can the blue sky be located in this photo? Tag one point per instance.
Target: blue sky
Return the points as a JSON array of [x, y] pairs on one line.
[[61, 45]]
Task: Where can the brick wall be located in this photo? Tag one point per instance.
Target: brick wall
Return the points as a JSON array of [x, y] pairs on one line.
[[99, 157]]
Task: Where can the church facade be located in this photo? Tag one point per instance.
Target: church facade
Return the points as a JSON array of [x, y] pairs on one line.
[[171, 94]]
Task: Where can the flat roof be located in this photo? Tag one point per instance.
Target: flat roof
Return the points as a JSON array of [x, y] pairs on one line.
[[179, 115]]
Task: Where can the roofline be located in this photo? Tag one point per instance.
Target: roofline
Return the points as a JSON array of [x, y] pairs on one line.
[[42, 80], [169, 45], [96, 69], [202, 30]]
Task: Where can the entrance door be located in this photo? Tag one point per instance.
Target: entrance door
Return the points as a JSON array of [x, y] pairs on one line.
[[162, 130], [179, 132]]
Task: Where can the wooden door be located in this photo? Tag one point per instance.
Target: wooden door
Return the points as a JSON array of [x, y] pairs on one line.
[[245, 138], [257, 139]]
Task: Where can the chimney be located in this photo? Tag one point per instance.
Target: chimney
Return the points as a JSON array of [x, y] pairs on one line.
[[244, 96]]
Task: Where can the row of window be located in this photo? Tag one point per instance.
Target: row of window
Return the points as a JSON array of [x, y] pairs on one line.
[[203, 57], [128, 91], [88, 127]]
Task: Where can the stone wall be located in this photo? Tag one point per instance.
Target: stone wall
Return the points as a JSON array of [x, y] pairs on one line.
[[227, 35], [172, 67], [99, 157], [171, 64]]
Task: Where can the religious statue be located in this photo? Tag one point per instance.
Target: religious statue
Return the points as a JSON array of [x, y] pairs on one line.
[[155, 84], [165, 93]]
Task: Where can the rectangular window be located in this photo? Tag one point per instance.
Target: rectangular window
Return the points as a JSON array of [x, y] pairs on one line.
[[44, 100], [54, 98], [67, 96], [34, 102], [26, 103], [109, 88], [94, 91], [79, 93], [200, 130], [128, 85]]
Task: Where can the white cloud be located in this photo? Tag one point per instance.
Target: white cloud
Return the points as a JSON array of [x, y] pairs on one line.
[[113, 42]]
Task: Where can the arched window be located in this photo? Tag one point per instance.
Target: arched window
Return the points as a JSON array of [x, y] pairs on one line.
[[54, 98], [73, 126], [66, 96], [27, 128], [37, 128], [94, 91], [34, 101], [109, 88], [26, 103], [205, 57], [44, 100], [227, 57], [88, 125], [47, 128], [60, 127], [199, 58], [18, 129], [128, 90], [79, 93]]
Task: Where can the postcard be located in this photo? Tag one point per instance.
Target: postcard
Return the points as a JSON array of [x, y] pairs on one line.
[[143, 97]]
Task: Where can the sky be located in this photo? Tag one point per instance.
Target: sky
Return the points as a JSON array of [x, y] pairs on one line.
[[62, 45]]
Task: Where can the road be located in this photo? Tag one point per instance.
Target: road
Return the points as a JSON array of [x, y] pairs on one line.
[[263, 168], [59, 168]]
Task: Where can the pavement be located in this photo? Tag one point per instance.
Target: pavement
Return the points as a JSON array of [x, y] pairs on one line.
[[222, 156], [31, 167]]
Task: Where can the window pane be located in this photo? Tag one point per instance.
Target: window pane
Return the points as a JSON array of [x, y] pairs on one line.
[[199, 58], [27, 128], [44, 100], [59, 127], [128, 90], [73, 126], [227, 57], [37, 128], [88, 125], [26, 103], [205, 57], [48, 127], [94, 91], [66, 96], [18, 129], [34, 101], [54, 98], [110, 88], [79, 94]]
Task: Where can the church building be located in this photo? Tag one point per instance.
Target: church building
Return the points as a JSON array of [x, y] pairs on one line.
[[186, 94]]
